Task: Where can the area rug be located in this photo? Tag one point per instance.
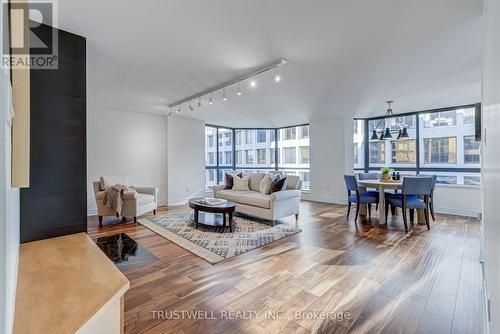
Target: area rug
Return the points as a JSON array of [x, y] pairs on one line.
[[210, 243]]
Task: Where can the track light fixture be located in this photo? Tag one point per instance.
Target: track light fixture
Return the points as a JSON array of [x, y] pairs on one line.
[[252, 76], [238, 92]]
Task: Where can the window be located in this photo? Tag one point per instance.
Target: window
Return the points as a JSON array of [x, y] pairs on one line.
[[261, 136], [239, 157], [404, 151], [288, 133], [440, 150], [471, 150], [261, 156], [210, 158], [304, 154], [469, 116], [435, 119], [443, 179], [255, 150], [472, 180], [304, 132], [358, 138], [250, 157], [355, 155], [289, 155], [377, 152]]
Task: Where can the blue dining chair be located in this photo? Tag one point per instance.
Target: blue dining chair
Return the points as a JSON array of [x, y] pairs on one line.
[[413, 187], [431, 197], [358, 197], [370, 176]]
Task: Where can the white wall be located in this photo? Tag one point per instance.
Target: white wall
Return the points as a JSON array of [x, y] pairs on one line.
[[186, 159], [126, 143], [9, 211], [458, 200], [331, 158], [491, 158]]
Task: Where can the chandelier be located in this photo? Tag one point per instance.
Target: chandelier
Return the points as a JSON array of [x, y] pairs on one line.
[[386, 131]]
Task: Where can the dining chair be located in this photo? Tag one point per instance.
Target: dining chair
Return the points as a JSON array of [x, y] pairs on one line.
[[370, 176], [358, 197], [409, 198], [431, 197]]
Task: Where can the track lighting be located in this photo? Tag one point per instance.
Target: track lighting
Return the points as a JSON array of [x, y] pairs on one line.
[[238, 92], [253, 83], [277, 77], [176, 107]]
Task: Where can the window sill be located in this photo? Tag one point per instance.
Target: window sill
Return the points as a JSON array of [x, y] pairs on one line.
[[459, 186]]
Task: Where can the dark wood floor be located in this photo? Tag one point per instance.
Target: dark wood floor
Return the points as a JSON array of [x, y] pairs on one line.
[[389, 281]]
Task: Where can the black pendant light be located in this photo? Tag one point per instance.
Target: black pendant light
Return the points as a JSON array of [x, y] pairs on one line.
[[387, 134], [374, 135], [405, 134]]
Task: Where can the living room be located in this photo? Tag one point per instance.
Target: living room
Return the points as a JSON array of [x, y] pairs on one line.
[[249, 167]]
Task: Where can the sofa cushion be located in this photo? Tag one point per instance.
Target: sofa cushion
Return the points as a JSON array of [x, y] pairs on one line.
[[230, 194], [240, 183], [143, 199], [278, 185], [255, 198], [265, 184], [254, 182], [229, 179]]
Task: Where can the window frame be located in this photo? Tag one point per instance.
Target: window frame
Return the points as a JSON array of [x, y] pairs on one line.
[[419, 159]]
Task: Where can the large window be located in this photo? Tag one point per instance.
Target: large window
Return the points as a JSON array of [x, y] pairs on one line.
[[441, 142], [284, 150], [440, 150]]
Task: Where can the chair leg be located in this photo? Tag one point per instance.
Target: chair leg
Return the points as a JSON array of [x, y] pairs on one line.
[[386, 212], [124, 219], [431, 205], [154, 212], [405, 219], [376, 207], [296, 217], [100, 221], [412, 215], [357, 212], [348, 209], [135, 219], [426, 214], [393, 210], [369, 211]]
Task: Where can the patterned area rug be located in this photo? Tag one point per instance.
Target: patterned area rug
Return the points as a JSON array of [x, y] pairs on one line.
[[208, 242]]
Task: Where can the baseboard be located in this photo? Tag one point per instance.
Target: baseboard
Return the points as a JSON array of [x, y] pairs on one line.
[[457, 212], [324, 199]]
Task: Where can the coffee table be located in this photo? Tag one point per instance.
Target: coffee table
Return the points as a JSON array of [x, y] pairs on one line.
[[212, 215]]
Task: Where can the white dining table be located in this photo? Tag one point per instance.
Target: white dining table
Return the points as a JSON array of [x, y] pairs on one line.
[[381, 186]]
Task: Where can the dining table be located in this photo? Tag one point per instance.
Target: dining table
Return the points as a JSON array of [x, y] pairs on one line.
[[382, 186]]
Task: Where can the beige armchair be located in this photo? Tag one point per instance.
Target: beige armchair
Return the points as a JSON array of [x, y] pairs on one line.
[[134, 203]]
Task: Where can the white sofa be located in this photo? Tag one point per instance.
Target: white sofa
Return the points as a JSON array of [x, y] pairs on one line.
[[277, 205]]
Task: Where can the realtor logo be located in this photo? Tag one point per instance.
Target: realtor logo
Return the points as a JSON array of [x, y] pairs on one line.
[[29, 39]]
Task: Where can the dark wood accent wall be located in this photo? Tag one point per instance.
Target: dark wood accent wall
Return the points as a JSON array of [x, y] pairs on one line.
[[55, 204]]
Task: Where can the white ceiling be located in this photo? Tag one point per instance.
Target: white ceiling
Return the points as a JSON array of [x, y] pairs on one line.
[[344, 57]]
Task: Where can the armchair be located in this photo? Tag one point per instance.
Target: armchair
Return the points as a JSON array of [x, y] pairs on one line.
[[144, 200]]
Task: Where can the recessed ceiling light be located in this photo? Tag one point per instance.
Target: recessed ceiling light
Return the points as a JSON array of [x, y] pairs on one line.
[[210, 100], [238, 92], [224, 98], [277, 77], [253, 83]]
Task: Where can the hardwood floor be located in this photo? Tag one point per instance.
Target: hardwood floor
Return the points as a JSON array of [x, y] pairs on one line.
[[389, 281]]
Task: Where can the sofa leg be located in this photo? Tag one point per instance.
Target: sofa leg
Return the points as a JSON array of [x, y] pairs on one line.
[[124, 219], [154, 212], [100, 221], [135, 219], [296, 216]]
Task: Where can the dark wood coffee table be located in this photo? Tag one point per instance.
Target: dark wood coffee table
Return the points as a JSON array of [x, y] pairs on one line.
[[212, 215]]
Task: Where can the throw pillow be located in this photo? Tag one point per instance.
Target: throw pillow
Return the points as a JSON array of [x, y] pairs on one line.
[[265, 184], [278, 185], [229, 180], [241, 183]]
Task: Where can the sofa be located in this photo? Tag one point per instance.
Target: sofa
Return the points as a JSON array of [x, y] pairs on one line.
[[135, 203], [273, 206]]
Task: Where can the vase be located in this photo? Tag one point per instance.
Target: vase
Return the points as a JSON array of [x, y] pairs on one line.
[[385, 177]]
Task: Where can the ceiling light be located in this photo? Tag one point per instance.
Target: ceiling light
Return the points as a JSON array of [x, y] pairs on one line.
[[210, 100], [238, 92], [224, 98], [374, 135], [199, 102], [253, 82], [277, 77], [405, 134], [190, 106]]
